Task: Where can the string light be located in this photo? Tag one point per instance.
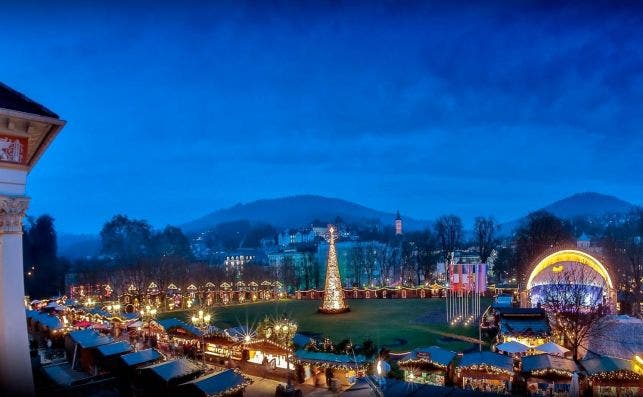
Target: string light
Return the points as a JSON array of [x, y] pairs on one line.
[[334, 299]]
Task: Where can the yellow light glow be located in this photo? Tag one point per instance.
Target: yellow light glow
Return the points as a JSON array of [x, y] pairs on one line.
[[570, 256], [558, 269]]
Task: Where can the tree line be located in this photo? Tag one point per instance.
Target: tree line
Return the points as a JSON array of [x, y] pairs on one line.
[[133, 252]]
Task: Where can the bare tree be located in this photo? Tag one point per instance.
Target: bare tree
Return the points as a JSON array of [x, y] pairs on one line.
[[624, 247], [370, 261], [484, 231], [357, 259], [539, 232], [573, 299], [448, 229]]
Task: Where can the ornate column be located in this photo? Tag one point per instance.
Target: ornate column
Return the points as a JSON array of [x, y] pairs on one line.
[[15, 373], [26, 130]]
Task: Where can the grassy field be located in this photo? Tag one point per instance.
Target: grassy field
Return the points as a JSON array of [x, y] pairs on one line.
[[398, 324]]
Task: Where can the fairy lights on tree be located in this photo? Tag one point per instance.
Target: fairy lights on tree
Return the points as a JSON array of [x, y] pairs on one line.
[[334, 300]]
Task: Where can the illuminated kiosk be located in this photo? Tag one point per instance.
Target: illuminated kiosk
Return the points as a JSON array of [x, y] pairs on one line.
[[334, 300], [595, 277], [26, 129]]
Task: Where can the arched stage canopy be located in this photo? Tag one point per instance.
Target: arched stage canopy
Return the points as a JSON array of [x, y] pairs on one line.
[[570, 255]]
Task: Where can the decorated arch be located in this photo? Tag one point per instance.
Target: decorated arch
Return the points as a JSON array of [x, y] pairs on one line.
[[555, 260]]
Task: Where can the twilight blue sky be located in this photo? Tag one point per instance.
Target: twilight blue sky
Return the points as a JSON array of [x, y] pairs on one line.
[[175, 111]]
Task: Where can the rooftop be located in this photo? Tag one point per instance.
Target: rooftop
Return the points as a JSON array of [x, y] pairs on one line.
[[115, 348], [600, 364], [13, 100], [547, 361], [431, 354], [219, 383], [88, 338], [486, 358], [63, 375], [170, 323], [173, 369], [141, 357]]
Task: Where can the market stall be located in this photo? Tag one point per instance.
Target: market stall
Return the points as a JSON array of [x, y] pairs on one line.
[[486, 372], [548, 375], [610, 376], [427, 365], [319, 368]]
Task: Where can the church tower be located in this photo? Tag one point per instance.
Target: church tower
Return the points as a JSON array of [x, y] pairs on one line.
[[398, 224]]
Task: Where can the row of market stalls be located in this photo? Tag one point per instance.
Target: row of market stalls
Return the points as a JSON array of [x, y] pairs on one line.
[[174, 297], [536, 375], [399, 292], [96, 359], [267, 352]]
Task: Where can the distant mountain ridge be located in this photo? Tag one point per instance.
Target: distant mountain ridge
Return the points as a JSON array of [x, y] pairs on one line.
[[579, 204], [298, 211]]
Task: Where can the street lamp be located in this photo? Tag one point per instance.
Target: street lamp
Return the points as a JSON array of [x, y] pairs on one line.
[[148, 315], [201, 320]]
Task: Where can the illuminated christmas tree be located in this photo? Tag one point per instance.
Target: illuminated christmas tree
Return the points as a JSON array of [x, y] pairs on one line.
[[334, 300]]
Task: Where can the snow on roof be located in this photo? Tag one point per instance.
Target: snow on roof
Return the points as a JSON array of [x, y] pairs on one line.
[[433, 354], [219, 383], [173, 369], [488, 358], [88, 338], [140, 357], [114, 348]]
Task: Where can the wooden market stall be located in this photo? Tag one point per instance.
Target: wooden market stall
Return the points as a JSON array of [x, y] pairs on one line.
[[320, 369], [546, 374], [228, 383], [428, 365], [164, 378], [610, 376], [485, 371]]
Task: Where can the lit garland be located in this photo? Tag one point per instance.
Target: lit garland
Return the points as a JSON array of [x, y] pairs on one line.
[[334, 299], [620, 375], [240, 387], [486, 368], [331, 365], [421, 362], [550, 371]]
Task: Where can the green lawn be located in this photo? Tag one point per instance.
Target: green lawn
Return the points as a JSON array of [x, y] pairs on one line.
[[397, 324]]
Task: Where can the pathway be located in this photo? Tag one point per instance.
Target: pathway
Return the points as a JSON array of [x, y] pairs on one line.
[[458, 337]]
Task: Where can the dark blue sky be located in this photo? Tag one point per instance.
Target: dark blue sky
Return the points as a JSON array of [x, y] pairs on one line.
[[175, 111]]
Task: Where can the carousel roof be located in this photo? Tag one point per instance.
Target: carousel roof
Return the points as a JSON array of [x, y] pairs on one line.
[[547, 361], [140, 357], [486, 358], [88, 338], [173, 369], [431, 354], [600, 364], [115, 348], [219, 383]]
